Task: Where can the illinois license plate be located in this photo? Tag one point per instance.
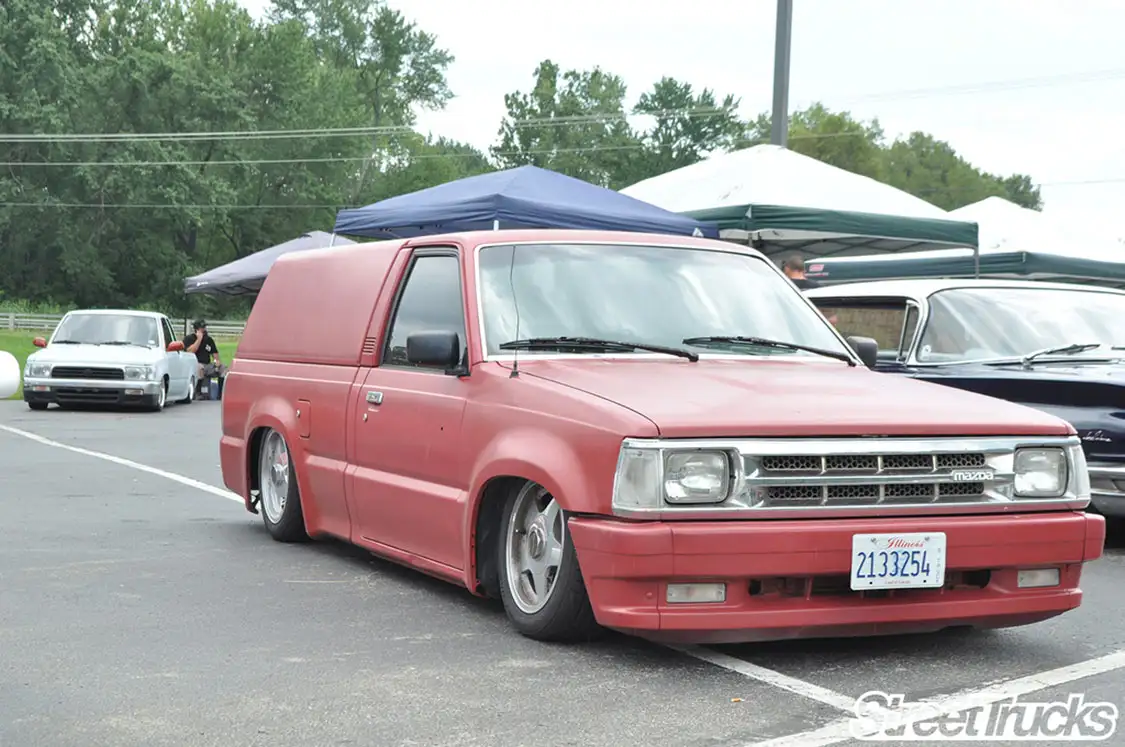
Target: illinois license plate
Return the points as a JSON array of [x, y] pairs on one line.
[[898, 561]]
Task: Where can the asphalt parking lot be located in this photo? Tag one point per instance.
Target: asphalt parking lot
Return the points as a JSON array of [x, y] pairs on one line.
[[138, 607]]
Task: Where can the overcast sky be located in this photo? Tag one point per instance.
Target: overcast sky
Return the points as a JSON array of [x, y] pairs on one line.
[[1031, 86]]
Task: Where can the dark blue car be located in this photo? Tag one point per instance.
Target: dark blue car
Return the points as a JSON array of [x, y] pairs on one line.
[[1055, 347]]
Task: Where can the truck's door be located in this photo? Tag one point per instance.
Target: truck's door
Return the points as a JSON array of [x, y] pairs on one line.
[[406, 485]]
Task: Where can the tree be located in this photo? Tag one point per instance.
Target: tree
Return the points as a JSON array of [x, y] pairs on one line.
[[688, 127], [573, 123]]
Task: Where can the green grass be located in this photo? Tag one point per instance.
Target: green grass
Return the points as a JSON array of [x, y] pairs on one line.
[[20, 345]]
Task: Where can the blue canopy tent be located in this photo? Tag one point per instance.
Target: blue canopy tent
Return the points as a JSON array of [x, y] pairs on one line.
[[523, 197]]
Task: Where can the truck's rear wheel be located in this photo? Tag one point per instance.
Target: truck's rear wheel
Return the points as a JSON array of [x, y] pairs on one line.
[[277, 485], [540, 581]]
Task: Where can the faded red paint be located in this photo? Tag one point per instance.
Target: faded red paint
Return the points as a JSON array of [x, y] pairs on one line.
[[406, 481]]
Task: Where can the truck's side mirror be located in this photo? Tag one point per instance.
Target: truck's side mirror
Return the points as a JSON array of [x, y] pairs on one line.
[[434, 349], [866, 348], [175, 346], [39, 342]]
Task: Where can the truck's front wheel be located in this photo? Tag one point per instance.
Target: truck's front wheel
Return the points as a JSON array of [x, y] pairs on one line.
[[540, 581]]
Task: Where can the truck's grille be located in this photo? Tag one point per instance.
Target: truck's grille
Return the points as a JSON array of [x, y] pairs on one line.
[[88, 373], [871, 464], [892, 479]]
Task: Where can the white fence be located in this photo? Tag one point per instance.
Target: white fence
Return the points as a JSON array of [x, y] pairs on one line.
[[47, 322]]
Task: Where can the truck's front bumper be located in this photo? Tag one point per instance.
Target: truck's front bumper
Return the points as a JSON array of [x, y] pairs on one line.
[[1107, 488], [90, 392], [791, 579]]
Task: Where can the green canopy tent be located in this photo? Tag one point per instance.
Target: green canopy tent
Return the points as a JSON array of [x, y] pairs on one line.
[[994, 264], [781, 201], [1015, 243]]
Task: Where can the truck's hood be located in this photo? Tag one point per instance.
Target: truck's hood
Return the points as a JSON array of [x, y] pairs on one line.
[[764, 397], [97, 355]]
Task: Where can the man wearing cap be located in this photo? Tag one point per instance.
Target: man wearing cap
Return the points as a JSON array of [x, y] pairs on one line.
[[206, 352]]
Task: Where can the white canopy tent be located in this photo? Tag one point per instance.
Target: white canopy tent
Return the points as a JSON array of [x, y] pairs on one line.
[[780, 200]]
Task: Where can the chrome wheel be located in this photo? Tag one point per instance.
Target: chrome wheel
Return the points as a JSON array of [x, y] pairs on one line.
[[534, 542], [162, 396], [273, 473]]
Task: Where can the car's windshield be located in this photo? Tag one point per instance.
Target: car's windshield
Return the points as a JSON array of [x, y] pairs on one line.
[[978, 324], [643, 294], [100, 329]]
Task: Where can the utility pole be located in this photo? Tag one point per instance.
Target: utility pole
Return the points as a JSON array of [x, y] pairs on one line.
[[779, 134]]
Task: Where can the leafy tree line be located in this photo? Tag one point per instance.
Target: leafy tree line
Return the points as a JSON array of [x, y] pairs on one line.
[[76, 231]]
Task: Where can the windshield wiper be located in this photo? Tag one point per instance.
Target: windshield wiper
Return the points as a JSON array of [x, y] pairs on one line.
[[592, 344], [123, 342], [1064, 350], [67, 342], [763, 342]]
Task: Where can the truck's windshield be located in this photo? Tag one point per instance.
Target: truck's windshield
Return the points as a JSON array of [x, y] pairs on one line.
[[657, 295], [971, 324], [101, 329]]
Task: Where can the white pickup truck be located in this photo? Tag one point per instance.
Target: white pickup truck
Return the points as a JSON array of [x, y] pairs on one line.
[[110, 357]]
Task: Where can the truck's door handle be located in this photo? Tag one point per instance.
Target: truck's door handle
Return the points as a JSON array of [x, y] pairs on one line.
[[375, 398]]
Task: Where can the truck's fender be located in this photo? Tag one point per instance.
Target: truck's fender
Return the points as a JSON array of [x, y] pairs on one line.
[[278, 414], [532, 454]]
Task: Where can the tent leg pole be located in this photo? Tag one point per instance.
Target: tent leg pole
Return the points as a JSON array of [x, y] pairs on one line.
[[495, 225], [976, 262]]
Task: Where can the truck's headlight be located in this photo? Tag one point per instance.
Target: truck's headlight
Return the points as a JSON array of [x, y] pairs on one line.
[[139, 373], [1040, 473], [651, 477], [37, 370], [696, 477]]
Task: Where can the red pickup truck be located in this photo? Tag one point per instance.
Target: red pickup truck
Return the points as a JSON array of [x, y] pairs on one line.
[[654, 434]]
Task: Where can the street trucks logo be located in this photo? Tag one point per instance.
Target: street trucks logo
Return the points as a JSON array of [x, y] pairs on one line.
[[882, 717]]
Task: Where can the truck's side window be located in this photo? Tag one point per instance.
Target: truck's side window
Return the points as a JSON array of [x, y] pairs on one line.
[[431, 301], [169, 335]]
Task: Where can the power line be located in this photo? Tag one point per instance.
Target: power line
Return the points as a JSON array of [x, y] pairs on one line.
[[600, 118], [316, 206], [410, 157]]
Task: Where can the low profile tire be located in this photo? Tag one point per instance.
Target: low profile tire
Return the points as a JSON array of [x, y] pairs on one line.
[[37, 405], [191, 393], [540, 582], [161, 398], [277, 485]]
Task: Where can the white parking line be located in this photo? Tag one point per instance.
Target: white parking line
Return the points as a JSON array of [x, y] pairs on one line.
[[927, 709], [770, 677], [221, 492]]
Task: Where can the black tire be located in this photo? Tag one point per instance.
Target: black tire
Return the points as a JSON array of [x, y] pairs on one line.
[[159, 401], [289, 526], [567, 615], [39, 406]]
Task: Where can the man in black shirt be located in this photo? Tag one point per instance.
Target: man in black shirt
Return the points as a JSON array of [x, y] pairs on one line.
[[794, 269], [203, 346]]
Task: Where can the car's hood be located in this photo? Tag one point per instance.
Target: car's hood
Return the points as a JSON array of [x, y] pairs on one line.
[[772, 397], [97, 355], [1099, 371], [1090, 396]]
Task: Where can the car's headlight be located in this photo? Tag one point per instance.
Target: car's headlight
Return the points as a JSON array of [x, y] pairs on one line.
[[139, 373], [650, 477], [37, 370], [1040, 473]]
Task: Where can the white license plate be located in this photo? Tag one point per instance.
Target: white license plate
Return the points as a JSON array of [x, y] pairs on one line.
[[898, 561]]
